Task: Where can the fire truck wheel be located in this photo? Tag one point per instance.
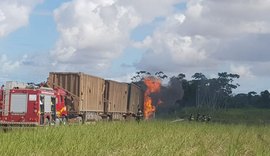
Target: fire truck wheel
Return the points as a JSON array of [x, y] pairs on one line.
[[64, 120]]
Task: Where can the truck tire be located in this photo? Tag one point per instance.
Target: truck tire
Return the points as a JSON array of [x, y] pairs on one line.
[[80, 120]]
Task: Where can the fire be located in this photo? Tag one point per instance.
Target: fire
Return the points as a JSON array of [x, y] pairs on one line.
[[153, 86]]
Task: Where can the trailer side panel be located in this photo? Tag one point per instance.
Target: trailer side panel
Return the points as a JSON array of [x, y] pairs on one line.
[[136, 99], [117, 96], [92, 90], [86, 90]]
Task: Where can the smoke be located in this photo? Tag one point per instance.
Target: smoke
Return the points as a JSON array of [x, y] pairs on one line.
[[173, 92], [160, 98], [169, 97]]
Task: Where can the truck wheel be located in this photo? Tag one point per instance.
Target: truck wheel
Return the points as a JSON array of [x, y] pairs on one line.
[[80, 120], [64, 120]]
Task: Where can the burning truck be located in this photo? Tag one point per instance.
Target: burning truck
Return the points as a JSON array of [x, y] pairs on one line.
[[93, 98], [69, 96]]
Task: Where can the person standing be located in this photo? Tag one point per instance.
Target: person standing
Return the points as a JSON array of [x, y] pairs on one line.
[[139, 115]]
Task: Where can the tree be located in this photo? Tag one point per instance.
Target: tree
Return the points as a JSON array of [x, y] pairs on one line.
[[225, 86], [238, 101], [251, 98], [226, 82], [140, 75], [215, 92], [181, 76], [161, 75], [199, 76], [265, 99]]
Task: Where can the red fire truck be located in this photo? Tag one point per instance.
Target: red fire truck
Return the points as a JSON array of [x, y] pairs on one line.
[[31, 106]]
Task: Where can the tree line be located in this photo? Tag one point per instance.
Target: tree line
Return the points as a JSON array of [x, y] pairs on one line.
[[202, 92]]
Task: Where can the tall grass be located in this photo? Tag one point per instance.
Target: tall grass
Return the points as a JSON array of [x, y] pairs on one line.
[[231, 116], [130, 138]]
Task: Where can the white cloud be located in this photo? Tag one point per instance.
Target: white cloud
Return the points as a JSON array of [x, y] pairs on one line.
[[93, 33], [194, 8], [179, 50], [261, 68], [7, 66], [180, 18], [226, 18], [125, 78], [242, 70], [211, 35], [14, 14], [150, 9], [170, 51], [2, 16]]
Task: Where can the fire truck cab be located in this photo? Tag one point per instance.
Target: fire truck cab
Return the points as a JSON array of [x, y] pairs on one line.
[[23, 106]]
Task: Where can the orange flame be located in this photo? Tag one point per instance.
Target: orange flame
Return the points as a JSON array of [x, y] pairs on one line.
[[153, 86]]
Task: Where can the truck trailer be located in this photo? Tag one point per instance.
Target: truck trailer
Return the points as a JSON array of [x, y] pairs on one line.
[[135, 100], [84, 94], [116, 100], [92, 98]]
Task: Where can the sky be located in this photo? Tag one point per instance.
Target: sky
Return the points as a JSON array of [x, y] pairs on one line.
[[115, 38]]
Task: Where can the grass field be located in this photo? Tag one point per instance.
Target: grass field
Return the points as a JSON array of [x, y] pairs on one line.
[[130, 138], [250, 116]]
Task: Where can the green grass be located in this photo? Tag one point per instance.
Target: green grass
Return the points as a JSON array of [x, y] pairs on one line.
[[147, 138], [232, 116]]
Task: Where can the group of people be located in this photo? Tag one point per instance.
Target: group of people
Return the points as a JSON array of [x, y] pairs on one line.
[[199, 117]]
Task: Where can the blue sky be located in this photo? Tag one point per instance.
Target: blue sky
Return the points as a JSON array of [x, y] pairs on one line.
[[114, 39], [39, 34]]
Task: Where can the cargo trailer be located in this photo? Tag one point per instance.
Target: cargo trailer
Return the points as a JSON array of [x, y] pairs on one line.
[[135, 100], [85, 94], [116, 99]]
